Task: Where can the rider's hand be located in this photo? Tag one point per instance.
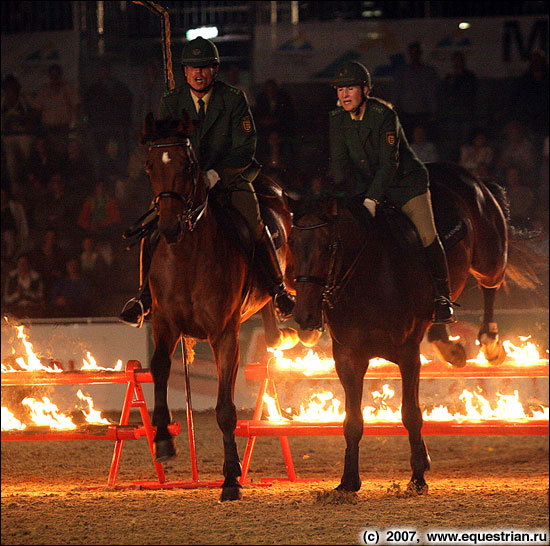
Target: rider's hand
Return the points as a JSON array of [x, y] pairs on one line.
[[211, 177], [370, 205]]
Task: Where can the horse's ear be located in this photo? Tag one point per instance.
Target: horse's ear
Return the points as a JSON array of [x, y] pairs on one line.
[[333, 207], [149, 126], [186, 125]]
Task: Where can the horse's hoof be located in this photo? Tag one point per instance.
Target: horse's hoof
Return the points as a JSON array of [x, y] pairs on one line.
[[417, 487], [231, 493], [165, 450], [349, 487]]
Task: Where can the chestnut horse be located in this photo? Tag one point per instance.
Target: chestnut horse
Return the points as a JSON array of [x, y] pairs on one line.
[[376, 297], [201, 283]]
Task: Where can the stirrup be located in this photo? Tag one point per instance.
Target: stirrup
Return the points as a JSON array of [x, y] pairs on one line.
[[439, 302], [142, 314]]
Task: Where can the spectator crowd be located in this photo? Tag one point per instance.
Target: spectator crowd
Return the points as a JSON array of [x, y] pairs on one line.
[[73, 177]]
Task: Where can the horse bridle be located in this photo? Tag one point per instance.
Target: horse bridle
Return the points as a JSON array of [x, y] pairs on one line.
[[190, 216], [329, 283], [331, 286]]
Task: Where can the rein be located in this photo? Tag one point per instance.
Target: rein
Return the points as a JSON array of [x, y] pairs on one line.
[[190, 216], [331, 286]]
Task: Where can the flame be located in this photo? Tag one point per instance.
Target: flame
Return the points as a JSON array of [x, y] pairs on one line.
[[33, 363], [92, 415], [91, 365], [324, 407], [46, 413], [10, 422]]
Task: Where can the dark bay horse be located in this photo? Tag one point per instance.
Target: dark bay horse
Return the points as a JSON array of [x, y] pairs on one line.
[[201, 283], [376, 297]]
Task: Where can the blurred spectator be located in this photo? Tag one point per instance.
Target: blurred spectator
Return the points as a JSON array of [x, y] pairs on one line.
[[15, 228], [517, 150], [43, 160], [33, 201], [149, 93], [108, 105], [19, 125], [100, 213], [58, 213], [521, 197], [458, 105], [415, 92], [49, 261], [24, 292], [59, 103], [274, 111], [72, 295], [423, 148], [276, 155], [79, 170], [478, 152], [530, 97], [232, 76], [92, 263]]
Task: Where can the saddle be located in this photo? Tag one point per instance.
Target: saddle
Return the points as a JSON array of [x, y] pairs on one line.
[[450, 225], [232, 222]]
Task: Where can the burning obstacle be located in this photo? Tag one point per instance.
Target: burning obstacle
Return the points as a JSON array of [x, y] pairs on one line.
[[323, 417], [133, 376]]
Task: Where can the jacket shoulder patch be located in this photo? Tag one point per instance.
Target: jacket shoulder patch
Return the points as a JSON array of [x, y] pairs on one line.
[[336, 111]]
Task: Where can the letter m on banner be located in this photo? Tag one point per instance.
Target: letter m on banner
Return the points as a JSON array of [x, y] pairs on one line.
[[538, 37]]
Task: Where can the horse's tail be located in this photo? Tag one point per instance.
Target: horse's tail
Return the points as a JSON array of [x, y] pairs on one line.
[[526, 264]]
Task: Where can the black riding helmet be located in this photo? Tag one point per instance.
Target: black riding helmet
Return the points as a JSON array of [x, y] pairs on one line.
[[199, 52], [351, 73]]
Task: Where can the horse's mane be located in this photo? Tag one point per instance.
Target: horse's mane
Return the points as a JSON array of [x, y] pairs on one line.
[[166, 128]]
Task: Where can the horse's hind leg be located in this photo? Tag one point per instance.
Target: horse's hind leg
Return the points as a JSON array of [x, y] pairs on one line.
[[409, 365], [226, 353], [351, 369], [488, 333], [165, 343]]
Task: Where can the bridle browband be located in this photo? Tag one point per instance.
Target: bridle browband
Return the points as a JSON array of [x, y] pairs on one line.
[[190, 216]]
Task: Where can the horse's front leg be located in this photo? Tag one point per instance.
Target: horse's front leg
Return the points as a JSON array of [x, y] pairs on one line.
[[351, 369], [226, 354], [165, 342], [409, 365]]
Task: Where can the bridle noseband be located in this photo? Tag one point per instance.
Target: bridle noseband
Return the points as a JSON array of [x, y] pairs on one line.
[[190, 216]]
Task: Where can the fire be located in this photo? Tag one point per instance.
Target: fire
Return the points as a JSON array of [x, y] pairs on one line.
[[312, 364], [324, 407], [32, 364], [92, 415], [91, 365], [46, 413], [10, 422]]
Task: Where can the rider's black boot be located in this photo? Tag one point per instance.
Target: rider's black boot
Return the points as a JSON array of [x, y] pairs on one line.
[[268, 264], [436, 261], [136, 309]]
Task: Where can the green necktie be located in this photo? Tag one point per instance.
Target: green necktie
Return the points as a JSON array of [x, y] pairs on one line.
[[202, 113]]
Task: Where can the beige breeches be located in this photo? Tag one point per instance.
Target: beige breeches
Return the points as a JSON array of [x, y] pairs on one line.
[[419, 210]]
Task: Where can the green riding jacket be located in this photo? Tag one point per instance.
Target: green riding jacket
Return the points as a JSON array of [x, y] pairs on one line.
[[226, 140], [371, 157]]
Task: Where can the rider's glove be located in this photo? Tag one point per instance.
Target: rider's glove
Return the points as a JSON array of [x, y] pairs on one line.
[[370, 205], [211, 177]]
